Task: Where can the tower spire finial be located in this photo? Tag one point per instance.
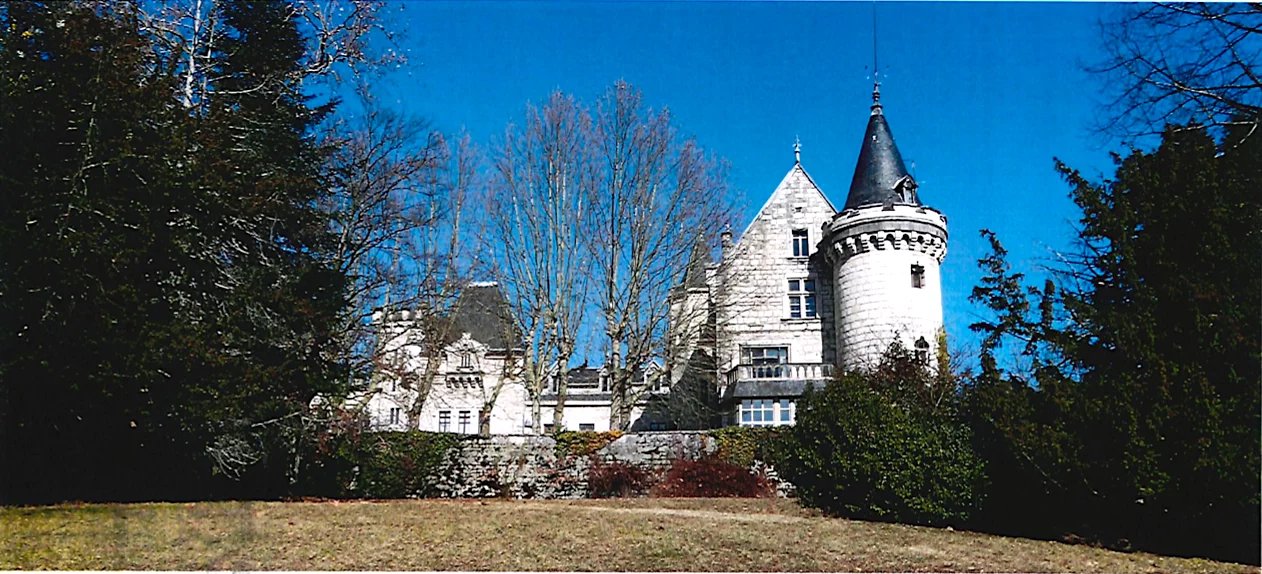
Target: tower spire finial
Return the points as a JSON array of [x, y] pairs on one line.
[[876, 69], [797, 150]]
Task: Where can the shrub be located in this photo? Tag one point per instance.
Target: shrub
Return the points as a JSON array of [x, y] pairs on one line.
[[855, 452], [616, 479], [711, 476], [376, 465], [744, 445], [583, 443]]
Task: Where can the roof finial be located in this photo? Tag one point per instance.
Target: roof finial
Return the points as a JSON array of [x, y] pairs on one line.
[[797, 150], [876, 69]]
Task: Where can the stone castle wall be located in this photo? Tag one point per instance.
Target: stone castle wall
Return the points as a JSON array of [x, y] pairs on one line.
[[753, 306]]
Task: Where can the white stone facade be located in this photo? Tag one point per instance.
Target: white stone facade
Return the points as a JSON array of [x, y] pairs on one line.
[[871, 275], [754, 307], [476, 385], [886, 269]]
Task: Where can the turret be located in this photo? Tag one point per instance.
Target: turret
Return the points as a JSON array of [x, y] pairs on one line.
[[885, 249]]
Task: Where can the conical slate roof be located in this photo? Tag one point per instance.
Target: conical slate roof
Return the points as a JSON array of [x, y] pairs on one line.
[[880, 169], [695, 272]]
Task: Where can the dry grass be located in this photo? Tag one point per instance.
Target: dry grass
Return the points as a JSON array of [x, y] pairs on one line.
[[639, 534]]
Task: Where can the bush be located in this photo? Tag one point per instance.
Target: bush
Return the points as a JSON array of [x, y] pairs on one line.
[[854, 452], [709, 477], [616, 480], [376, 465], [583, 443], [744, 445]]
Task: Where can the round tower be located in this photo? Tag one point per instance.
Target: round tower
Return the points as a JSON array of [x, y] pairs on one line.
[[885, 249]]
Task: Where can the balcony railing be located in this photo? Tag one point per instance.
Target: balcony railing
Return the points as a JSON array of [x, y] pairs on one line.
[[781, 372]]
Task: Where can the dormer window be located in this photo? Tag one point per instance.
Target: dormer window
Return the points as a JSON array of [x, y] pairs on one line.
[[922, 351], [801, 243], [466, 360], [917, 275]]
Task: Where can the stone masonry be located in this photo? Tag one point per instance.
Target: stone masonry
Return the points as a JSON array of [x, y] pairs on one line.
[[529, 466]]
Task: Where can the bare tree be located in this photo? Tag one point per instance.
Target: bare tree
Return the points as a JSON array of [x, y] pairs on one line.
[[399, 195], [1176, 63], [534, 239], [660, 197], [346, 38]]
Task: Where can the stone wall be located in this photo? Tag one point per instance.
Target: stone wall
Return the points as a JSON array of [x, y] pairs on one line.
[[754, 306], [516, 466]]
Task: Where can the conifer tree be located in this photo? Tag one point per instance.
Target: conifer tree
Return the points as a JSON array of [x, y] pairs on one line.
[[1139, 413], [88, 257]]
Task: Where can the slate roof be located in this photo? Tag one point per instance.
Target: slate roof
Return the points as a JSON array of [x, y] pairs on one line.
[[880, 166], [772, 389], [695, 272], [483, 313]]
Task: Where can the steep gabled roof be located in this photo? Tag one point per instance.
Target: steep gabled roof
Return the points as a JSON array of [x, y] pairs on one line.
[[796, 171]]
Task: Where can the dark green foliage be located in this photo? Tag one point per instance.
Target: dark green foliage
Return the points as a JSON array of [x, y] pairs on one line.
[[164, 289], [87, 260], [863, 452], [743, 446], [1139, 418], [616, 480], [711, 476], [375, 465]]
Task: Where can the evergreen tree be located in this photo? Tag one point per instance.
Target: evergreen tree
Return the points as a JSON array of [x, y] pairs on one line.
[[1139, 414], [87, 133], [1166, 333], [262, 169], [165, 289]]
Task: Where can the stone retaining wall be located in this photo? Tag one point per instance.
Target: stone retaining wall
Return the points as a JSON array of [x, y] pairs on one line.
[[517, 466]]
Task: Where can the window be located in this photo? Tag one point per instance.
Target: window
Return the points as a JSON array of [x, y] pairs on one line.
[[801, 243], [922, 351], [394, 386], [767, 361], [917, 275], [394, 416], [464, 422], [766, 412], [547, 428], [444, 421], [802, 298], [764, 355], [466, 360], [587, 426]]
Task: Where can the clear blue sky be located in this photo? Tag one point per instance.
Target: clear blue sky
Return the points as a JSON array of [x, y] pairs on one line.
[[980, 97]]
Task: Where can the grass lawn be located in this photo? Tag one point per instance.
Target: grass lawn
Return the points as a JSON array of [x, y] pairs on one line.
[[636, 534]]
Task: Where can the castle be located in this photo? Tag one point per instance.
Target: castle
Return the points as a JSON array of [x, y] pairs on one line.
[[808, 288], [805, 289]]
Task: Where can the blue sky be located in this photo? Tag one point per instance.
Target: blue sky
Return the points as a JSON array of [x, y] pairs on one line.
[[980, 96]]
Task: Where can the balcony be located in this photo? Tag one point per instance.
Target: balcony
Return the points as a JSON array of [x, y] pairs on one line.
[[780, 372]]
